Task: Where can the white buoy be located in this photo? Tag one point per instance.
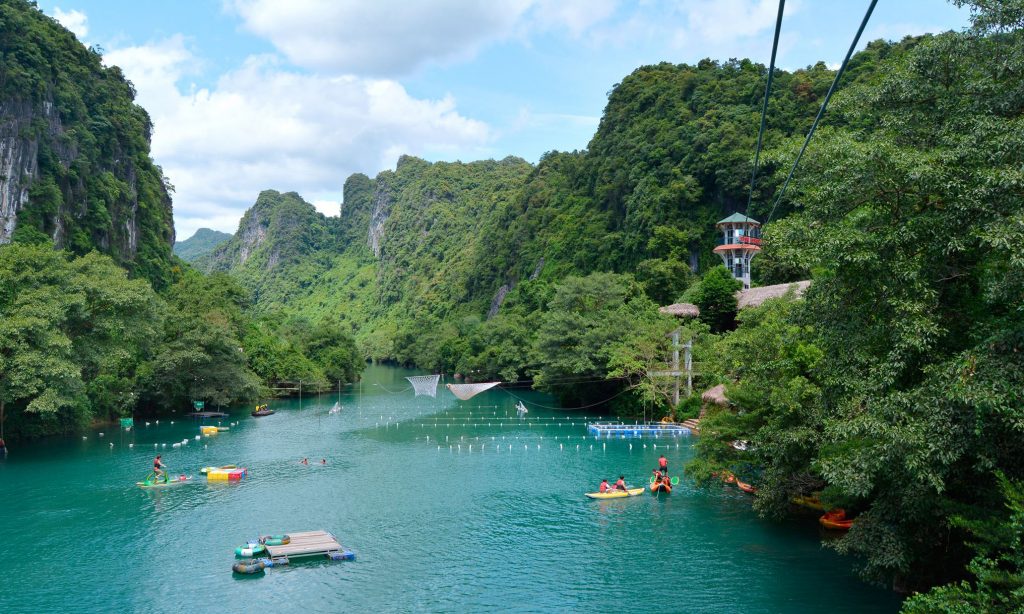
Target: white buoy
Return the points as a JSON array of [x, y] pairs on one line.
[[177, 445], [164, 445], [131, 445], [155, 445], [172, 421], [84, 437], [147, 424], [101, 434], [158, 422], [197, 437], [111, 444]]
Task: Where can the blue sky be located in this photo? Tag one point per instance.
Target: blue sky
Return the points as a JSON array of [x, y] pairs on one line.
[[298, 94]]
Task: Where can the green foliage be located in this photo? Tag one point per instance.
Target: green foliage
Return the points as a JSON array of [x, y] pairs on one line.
[[998, 566], [96, 187], [72, 335], [715, 294], [599, 334]]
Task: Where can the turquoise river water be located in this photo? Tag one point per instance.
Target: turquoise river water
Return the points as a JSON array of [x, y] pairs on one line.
[[449, 506]]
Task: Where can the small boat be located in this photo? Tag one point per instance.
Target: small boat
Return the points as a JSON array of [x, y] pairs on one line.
[[661, 487], [836, 520], [747, 488], [264, 411], [149, 483], [808, 501], [616, 494], [206, 470]]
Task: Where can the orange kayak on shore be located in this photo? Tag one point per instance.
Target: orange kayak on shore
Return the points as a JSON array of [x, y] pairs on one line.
[[836, 519]]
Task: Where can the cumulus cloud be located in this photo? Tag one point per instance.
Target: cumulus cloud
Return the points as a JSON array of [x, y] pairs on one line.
[[263, 126], [72, 20], [394, 37]]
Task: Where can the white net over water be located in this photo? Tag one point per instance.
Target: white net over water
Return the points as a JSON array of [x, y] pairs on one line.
[[424, 385], [468, 391]]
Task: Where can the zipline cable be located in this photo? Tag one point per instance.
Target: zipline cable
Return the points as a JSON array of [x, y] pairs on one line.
[[764, 107], [824, 104]]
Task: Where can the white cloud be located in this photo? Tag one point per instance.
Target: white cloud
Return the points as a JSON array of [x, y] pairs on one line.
[[376, 38], [263, 126], [716, 21], [394, 37], [72, 20]]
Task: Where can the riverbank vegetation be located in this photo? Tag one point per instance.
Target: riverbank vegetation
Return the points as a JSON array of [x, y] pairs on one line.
[[81, 341]]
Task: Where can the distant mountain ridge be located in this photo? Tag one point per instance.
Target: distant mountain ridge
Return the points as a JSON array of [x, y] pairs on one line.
[[204, 241]]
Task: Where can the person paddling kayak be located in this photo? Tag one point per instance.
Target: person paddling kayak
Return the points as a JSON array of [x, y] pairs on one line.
[[621, 484], [158, 469]]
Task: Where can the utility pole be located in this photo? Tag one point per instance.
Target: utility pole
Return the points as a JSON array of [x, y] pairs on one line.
[[675, 372]]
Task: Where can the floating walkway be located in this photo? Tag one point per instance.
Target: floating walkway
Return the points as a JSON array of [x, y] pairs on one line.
[[638, 429], [311, 543], [206, 414]]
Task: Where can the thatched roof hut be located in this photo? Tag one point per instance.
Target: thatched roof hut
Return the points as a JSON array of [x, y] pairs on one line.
[[754, 297], [681, 310], [715, 395]]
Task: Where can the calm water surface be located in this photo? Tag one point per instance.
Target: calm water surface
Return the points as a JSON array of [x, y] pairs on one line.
[[434, 529]]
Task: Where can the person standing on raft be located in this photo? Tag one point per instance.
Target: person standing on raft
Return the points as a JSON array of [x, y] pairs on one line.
[[158, 467], [663, 464]]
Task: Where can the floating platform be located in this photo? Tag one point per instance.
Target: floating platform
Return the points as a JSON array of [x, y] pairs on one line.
[[638, 429], [207, 414], [311, 543]]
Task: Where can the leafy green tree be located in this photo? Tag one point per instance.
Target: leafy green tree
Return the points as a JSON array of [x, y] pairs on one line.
[[715, 294], [594, 325]]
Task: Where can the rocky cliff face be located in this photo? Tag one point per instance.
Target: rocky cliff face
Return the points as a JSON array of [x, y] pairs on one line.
[[74, 150]]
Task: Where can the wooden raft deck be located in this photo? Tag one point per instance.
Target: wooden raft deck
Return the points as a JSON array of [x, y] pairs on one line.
[[307, 543]]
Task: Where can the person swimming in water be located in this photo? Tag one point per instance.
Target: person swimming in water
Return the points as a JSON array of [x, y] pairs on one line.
[[304, 461]]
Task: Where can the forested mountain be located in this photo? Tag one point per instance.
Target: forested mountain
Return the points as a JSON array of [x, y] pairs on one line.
[[439, 252], [108, 324], [200, 244], [74, 150]]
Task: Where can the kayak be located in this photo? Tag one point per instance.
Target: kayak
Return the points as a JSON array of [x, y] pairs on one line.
[[206, 470], [836, 519], [616, 494], [808, 501], [181, 479]]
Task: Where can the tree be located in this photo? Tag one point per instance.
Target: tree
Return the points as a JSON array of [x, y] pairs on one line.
[[716, 296]]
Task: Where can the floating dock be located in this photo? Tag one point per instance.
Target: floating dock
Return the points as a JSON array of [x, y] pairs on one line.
[[311, 543], [638, 429], [207, 414]]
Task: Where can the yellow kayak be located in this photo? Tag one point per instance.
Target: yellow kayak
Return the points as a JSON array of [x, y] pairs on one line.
[[616, 494]]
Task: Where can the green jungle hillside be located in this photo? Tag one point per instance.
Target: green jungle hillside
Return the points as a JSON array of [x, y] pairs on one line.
[[200, 244]]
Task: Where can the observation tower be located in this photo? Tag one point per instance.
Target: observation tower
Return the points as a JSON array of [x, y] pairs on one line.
[[740, 242]]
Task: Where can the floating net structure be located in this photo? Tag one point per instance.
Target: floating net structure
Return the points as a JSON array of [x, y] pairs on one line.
[[468, 391], [424, 385]]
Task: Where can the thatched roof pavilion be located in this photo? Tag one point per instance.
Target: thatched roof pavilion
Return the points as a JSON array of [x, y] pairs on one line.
[[681, 310], [754, 297]]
